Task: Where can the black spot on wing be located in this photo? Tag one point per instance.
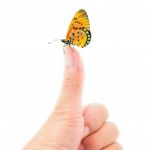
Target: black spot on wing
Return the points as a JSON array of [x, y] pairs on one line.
[[88, 35]]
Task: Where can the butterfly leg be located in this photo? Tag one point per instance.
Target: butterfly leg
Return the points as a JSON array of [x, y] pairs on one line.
[[64, 47]]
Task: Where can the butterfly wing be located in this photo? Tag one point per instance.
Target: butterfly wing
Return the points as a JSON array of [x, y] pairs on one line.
[[80, 20], [80, 37]]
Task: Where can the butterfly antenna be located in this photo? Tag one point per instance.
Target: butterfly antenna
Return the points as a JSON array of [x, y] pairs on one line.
[[54, 41]]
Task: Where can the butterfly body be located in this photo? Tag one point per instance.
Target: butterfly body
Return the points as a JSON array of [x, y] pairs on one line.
[[79, 30]]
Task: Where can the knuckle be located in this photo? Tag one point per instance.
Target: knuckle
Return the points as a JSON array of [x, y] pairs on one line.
[[71, 117], [118, 146], [112, 128], [72, 82], [101, 108], [104, 110]]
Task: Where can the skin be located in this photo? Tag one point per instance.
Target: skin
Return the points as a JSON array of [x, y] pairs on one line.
[[71, 126]]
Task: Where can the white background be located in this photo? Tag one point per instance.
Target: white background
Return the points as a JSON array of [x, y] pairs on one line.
[[117, 65]]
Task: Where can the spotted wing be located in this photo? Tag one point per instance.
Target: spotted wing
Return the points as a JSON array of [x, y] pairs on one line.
[[80, 20], [80, 37]]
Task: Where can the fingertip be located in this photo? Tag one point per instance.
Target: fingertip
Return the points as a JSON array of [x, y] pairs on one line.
[[74, 71], [73, 59]]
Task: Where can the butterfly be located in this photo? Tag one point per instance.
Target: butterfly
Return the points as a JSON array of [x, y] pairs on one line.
[[79, 30]]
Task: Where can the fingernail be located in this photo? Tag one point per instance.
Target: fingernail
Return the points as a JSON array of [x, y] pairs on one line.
[[69, 57], [81, 147], [86, 132]]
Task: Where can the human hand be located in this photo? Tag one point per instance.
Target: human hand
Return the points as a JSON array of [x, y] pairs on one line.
[[71, 127]]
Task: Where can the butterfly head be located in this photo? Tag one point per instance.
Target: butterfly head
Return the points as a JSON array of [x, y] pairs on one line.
[[67, 42]]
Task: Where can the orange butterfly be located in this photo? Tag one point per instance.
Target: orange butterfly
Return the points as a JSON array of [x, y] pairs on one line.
[[79, 30]]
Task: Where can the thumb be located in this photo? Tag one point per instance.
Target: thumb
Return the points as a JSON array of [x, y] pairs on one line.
[[71, 92]]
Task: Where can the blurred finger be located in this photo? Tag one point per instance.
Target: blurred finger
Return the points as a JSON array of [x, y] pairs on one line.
[[94, 117], [114, 146], [102, 138]]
